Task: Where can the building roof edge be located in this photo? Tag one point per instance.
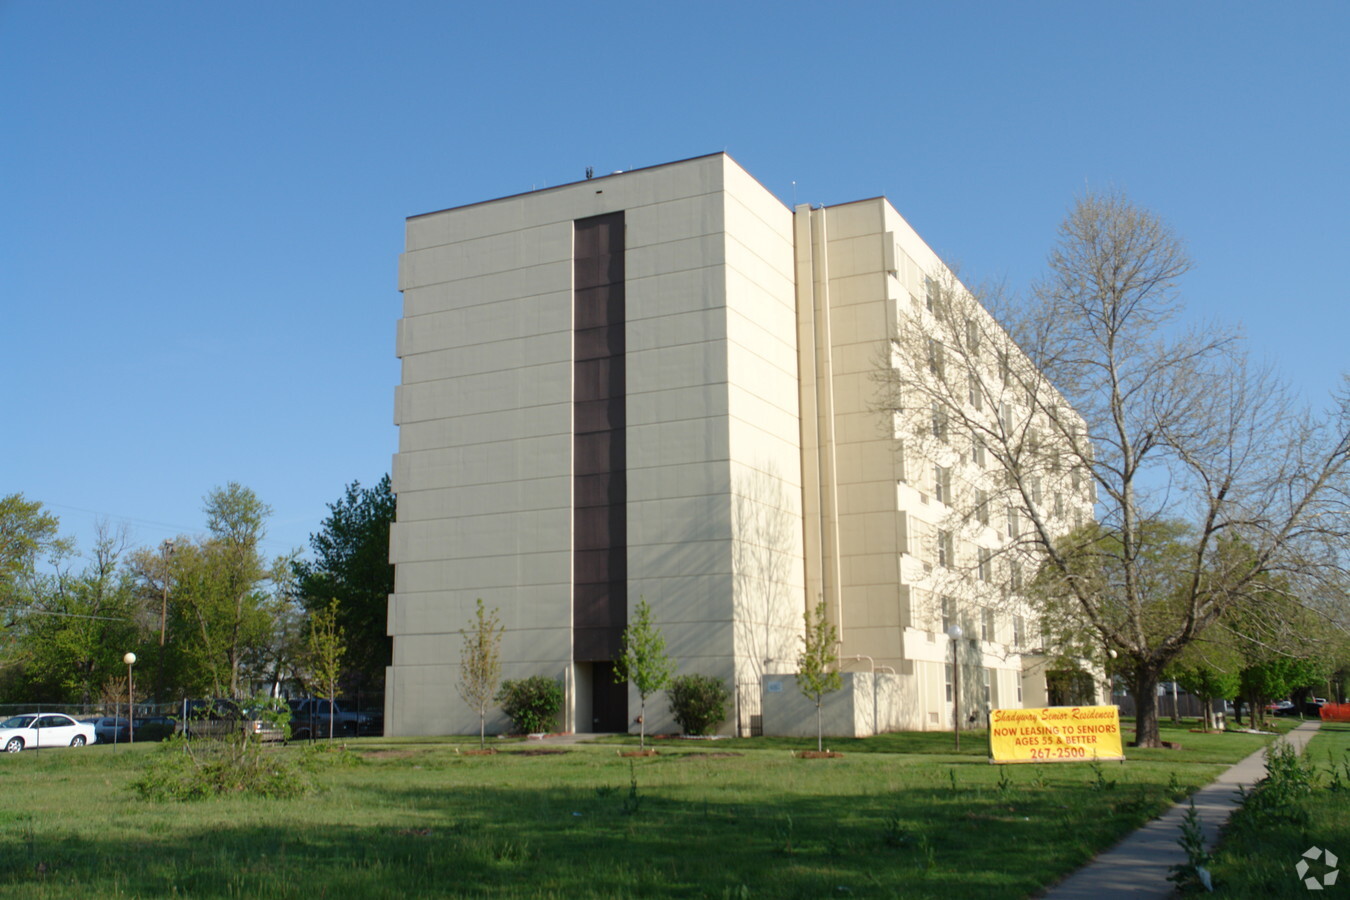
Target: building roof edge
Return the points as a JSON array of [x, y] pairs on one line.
[[569, 184]]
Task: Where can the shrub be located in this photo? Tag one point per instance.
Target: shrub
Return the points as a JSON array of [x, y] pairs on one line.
[[532, 703], [236, 765], [698, 702]]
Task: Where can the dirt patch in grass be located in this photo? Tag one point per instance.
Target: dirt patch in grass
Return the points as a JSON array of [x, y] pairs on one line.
[[542, 751]]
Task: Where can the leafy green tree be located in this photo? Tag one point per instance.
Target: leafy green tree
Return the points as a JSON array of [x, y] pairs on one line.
[[1283, 647], [1208, 683], [817, 672], [643, 661], [1263, 682], [225, 594], [480, 665], [27, 533], [75, 627], [324, 648], [351, 563], [282, 654]]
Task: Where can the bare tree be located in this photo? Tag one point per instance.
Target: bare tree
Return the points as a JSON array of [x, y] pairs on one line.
[[818, 663], [480, 664], [1153, 478]]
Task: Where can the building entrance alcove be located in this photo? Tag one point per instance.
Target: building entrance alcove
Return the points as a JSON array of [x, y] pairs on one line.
[[609, 701]]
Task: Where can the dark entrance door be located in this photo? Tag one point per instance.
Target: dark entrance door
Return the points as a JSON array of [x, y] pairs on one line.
[[609, 701]]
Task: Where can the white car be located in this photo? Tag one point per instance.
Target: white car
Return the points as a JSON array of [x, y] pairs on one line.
[[43, 730]]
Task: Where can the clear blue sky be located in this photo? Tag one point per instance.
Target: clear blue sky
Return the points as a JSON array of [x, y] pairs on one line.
[[202, 204]]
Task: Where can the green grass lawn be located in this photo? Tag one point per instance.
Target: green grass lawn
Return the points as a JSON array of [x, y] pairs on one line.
[[896, 816], [1259, 852]]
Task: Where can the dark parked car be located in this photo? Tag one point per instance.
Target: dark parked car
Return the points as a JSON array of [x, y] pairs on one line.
[[111, 730], [221, 718], [1311, 708], [155, 728], [313, 718]]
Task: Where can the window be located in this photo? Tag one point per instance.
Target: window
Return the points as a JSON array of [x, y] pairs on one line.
[[988, 689], [1013, 528], [936, 357], [1004, 369], [1015, 575], [1059, 505], [973, 337], [947, 673], [982, 506], [946, 555], [1019, 632], [1036, 490], [986, 564], [901, 475], [930, 293], [975, 394], [987, 624], [939, 422], [948, 613], [1076, 479], [1005, 418], [942, 484], [977, 451]]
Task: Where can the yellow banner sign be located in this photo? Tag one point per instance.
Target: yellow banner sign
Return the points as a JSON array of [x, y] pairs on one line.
[[1055, 734]]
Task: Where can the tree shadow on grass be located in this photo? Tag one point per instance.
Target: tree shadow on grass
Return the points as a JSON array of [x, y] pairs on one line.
[[671, 827]]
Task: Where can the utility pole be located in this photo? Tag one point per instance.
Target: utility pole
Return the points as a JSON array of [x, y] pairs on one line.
[[167, 549]]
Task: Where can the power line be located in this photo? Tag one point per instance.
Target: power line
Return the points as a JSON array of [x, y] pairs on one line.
[[52, 612]]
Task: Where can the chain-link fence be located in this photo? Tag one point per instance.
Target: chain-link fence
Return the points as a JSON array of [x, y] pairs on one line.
[[360, 714]]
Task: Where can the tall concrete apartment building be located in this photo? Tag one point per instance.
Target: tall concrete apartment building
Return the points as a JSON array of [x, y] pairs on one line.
[[660, 385]]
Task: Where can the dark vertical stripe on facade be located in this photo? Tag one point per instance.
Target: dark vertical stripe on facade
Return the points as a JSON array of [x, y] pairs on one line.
[[600, 489]]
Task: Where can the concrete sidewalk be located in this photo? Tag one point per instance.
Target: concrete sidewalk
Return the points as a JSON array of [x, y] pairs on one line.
[[1138, 866]]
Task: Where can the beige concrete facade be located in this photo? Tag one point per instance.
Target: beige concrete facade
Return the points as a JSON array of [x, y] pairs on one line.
[[892, 544], [760, 477], [483, 472]]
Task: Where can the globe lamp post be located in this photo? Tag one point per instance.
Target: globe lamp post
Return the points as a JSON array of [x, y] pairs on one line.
[[130, 660]]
